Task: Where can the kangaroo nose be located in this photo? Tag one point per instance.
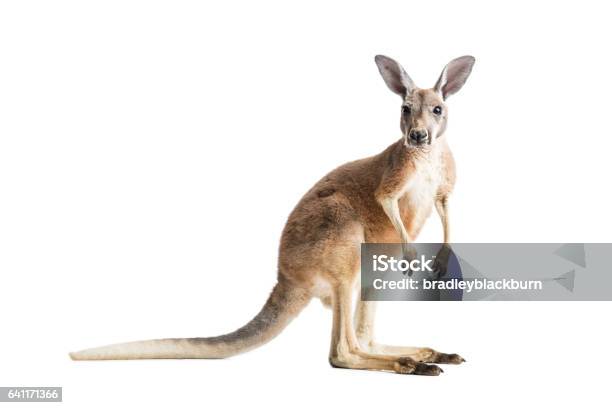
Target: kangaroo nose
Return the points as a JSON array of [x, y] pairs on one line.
[[418, 135]]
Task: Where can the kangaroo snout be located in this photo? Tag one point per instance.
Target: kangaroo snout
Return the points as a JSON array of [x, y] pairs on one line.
[[418, 136]]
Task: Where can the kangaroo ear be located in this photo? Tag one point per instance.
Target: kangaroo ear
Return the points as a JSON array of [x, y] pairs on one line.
[[394, 75], [454, 75]]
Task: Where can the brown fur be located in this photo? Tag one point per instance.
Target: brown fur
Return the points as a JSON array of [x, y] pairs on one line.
[[385, 198]]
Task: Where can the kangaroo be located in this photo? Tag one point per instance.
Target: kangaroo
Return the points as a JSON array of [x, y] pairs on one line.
[[385, 198]]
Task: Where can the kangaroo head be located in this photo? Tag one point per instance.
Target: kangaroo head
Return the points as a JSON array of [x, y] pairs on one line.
[[424, 113]]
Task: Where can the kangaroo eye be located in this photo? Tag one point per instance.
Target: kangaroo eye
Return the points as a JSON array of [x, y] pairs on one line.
[[406, 109], [437, 110]]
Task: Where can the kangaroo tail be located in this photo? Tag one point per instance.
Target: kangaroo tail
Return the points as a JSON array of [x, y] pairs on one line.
[[284, 303]]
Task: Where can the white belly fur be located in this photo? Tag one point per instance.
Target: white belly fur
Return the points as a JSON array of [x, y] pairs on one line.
[[418, 200]]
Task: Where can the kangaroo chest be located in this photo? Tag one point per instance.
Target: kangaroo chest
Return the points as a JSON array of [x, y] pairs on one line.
[[419, 196]]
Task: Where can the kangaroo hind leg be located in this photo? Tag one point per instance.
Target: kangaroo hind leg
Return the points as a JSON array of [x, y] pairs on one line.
[[346, 352], [365, 313]]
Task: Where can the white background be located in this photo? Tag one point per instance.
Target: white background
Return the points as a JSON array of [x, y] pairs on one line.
[[150, 153]]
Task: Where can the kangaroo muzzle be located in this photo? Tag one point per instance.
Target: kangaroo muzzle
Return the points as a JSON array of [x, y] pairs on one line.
[[418, 136]]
